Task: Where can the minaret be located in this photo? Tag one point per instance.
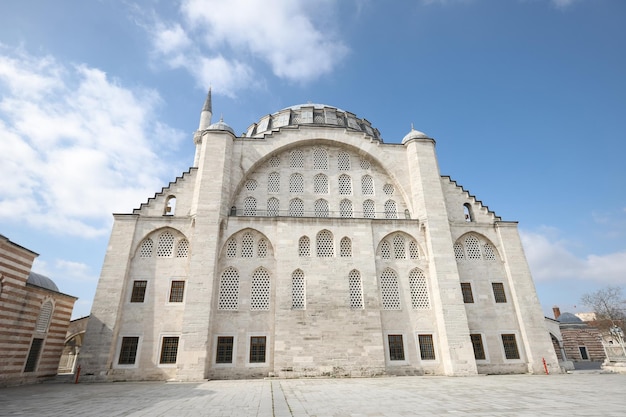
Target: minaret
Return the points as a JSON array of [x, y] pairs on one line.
[[205, 122]]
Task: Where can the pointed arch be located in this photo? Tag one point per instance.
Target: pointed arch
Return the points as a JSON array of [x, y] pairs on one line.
[[228, 294], [170, 206], [298, 290], [390, 290], [355, 287], [260, 290], [325, 244]]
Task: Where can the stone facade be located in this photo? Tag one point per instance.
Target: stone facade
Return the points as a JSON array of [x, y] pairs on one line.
[[34, 317], [309, 247]]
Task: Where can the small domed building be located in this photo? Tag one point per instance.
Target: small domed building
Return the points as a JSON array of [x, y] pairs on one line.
[[308, 246]]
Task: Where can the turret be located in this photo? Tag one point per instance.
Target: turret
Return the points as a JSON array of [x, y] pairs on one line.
[[207, 112]]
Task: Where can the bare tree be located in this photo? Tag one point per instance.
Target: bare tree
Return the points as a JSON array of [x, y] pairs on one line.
[[608, 304]]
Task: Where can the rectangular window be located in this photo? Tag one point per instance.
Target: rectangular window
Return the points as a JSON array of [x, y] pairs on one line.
[[139, 291], [466, 288], [128, 351], [176, 291], [224, 350], [510, 346], [396, 347], [427, 347], [257, 349], [33, 355], [477, 344], [498, 292], [169, 350]]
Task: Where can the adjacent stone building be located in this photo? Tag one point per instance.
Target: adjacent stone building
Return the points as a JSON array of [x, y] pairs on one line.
[[34, 317], [309, 247]]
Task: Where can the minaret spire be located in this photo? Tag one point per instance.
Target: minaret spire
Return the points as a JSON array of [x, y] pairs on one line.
[[207, 112]]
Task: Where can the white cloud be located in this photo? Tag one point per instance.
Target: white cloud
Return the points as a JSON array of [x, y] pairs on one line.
[[75, 146]]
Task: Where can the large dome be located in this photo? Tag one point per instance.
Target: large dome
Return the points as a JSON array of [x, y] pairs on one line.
[[312, 115]]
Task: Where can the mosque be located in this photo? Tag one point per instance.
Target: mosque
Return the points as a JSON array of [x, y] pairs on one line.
[[310, 247]]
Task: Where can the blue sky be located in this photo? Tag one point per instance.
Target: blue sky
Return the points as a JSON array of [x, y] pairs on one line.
[[525, 98]]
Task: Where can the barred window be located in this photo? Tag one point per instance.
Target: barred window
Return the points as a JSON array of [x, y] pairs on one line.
[[262, 248], [273, 207], [356, 290], [257, 349], [165, 245], [229, 290], [296, 159], [473, 247], [320, 184], [466, 290], [249, 206], [477, 344], [345, 185], [177, 291], [367, 185], [414, 251], [320, 159], [325, 244], [298, 290], [45, 314], [296, 184], [247, 246], [128, 351], [390, 290], [427, 347], [459, 253], [419, 290], [498, 292], [145, 249], [399, 248], [139, 291], [169, 350], [396, 347], [321, 208], [510, 346], [182, 251], [231, 248], [390, 210], [369, 211], [296, 208], [343, 161], [273, 182], [345, 247], [304, 246], [260, 290], [224, 351], [490, 253], [345, 208]]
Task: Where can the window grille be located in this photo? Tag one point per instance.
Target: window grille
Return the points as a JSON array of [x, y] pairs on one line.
[[427, 347], [274, 162], [510, 346], [321, 208], [304, 246], [367, 185], [249, 206], [45, 314], [498, 292], [365, 164], [182, 251], [473, 247], [296, 159], [169, 350], [273, 207], [296, 184], [229, 290], [389, 290], [369, 210], [345, 208], [260, 290], [490, 253], [251, 185], [390, 210], [459, 253], [385, 251], [399, 248], [139, 291], [414, 252], [343, 161], [224, 351], [477, 344], [320, 159], [466, 290], [345, 247], [262, 248], [273, 183], [247, 246], [298, 290], [419, 290], [345, 185], [320, 184], [356, 290], [257, 349], [325, 245], [177, 291], [145, 250], [388, 189], [33, 355], [231, 248], [396, 347], [296, 208], [128, 351], [165, 245]]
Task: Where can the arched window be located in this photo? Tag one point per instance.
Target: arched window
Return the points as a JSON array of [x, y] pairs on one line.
[[320, 159], [273, 207], [390, 290], [459, 253], [419, 290], [165, 245], [296, 184], [414, 251], [321, 208], [369, 210], [388, 189], [304, 246], [365, 164], [273, 182], [274, 162], [231, 248], [251, 185], [320, 184], [356, 290], [490, 252], [260, 290], [367, 185], [170, 206], [385, 250], [249, 206], [472, 246], [467, 210], [296, 208], [325, 244], [298, 290], [145, 249], [345, 247], [343, 161], [262, 248], [247, 246], [229, 290], [182, 250], [45, 314], [296, 159], [345, 185], [345, 208], [399, 248], [390, 210]]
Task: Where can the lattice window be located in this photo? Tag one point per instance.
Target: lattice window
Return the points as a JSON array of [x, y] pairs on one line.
[[296, 208], [251, 185], [247, 246], [177, 291], [510, 346], [138, 293], [320, 184], [385, 250], [273, 207], [356, 290], [459, 253], [231, 248], [296, 184], [45, 314], [145, 250], [257, 349], [396, 347], [490, 252], [249, 206], [367, 185], [414, 251], [169, 350], [296, 159], [427, 346], [229, 290], [388, 189], [182, 251], [390, 290], [298, 290], [128, 350], [260, 290], [325, 245], [321, 208], [399, 247], [345, 247], [343, 161], [320, 159], [345, 208], [273, 182], [419, 290], [345, 185], [365, 164], [369, 210], [262, 248], [390, 210], [224, 349], [274, 162], [304, 246], [473, 247], [165, 246]]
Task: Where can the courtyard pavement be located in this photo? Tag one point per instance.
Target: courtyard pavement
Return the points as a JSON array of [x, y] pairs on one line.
[[577, 394]]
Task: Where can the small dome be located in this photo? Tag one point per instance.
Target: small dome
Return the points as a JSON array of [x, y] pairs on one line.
[[42, 281], [569, 318], [414, 134], [221, 125]]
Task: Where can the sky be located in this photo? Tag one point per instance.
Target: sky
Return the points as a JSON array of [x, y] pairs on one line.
[[526, 100]]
